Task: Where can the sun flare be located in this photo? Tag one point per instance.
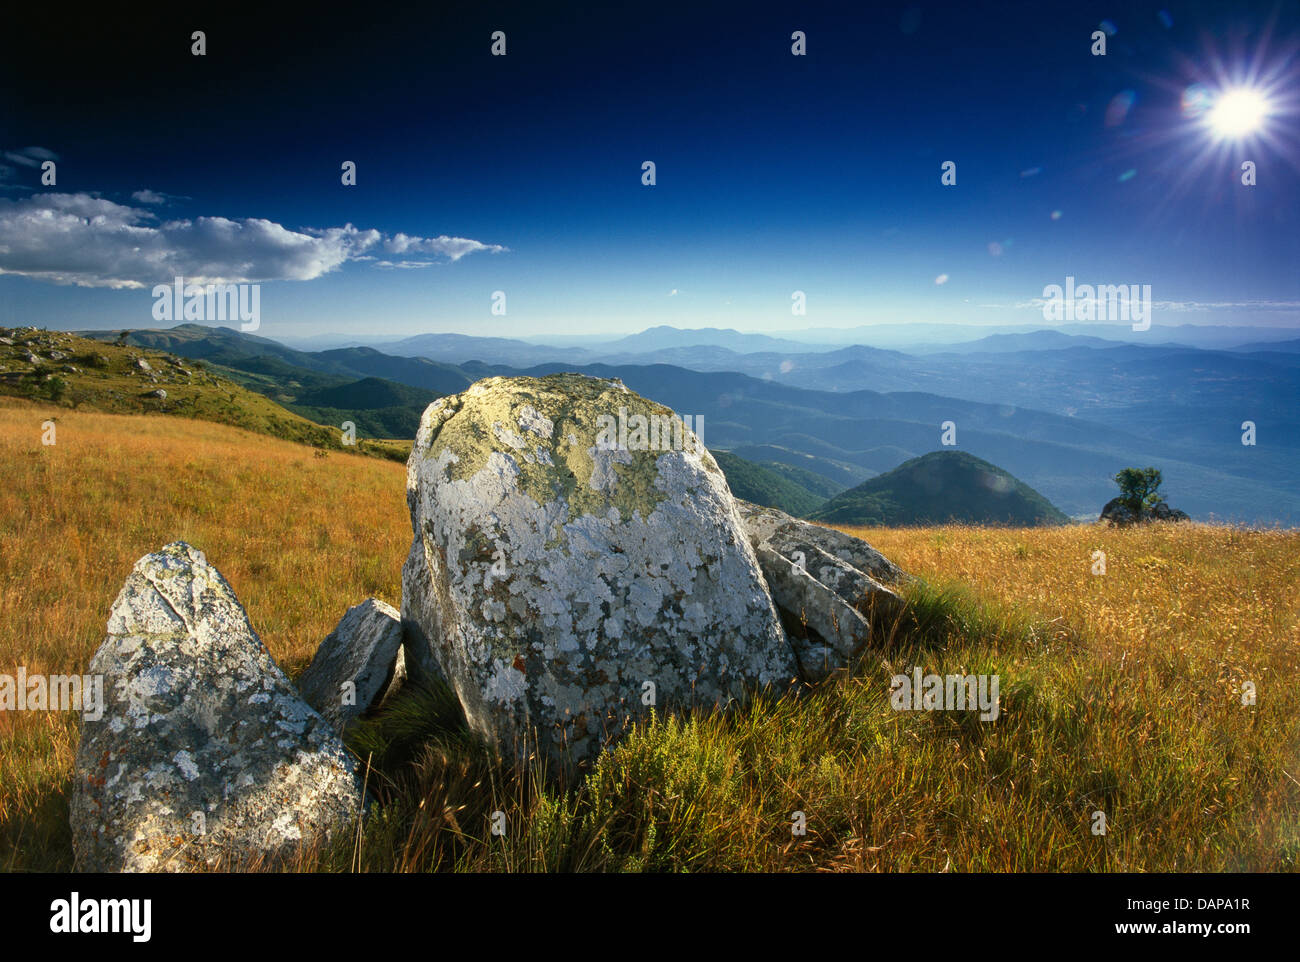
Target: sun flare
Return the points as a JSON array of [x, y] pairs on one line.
[[1238, 113]]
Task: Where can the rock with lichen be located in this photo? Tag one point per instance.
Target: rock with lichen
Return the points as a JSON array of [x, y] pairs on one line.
[[827, 587], [202, 753], [357, 664], [578, 559]]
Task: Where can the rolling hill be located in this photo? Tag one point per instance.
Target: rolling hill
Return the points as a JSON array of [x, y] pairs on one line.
[[941, 488], [763, 485]]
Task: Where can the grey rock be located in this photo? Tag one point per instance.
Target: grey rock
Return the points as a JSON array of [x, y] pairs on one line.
[[143, 365], [768, 525], [555, 570], [420, 635], [204, 751], [160, 394], [357, 664], [7, 341], [832, 609]]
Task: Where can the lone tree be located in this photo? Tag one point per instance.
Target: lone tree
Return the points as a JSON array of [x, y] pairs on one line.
[[1138, 488]]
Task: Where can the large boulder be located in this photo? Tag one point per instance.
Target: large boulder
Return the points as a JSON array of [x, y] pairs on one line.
[[577, 559], [357, 664], [204, 752], [824, 584]]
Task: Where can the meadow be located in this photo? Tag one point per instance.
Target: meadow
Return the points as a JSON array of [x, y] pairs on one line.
[[1120, 692]]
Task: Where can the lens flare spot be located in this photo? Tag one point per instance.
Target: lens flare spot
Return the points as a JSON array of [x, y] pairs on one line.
[[1196, 100], [1120, 105]]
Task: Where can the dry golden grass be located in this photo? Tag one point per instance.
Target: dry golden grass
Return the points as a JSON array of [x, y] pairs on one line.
[[299, 537], [1120, 693]]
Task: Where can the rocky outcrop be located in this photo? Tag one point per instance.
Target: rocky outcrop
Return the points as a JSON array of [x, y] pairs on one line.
[[770, 526], [357, 664], [1120, 513], [827, 586], [578, 559], [204, 752]]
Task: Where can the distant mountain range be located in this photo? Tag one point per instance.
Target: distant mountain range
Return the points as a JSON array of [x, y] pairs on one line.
[[1063, 419]]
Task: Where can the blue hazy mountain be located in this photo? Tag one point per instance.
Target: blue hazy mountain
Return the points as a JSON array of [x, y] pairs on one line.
[[1062, 420]]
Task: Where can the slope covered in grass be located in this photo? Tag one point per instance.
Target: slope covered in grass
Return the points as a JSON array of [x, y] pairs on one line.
[[72, 373], [762, 485], [1119, 693]]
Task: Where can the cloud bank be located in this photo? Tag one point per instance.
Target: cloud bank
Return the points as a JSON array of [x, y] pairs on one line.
[[88, 241]]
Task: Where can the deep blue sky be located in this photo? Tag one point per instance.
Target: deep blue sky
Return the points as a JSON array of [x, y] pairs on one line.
[[775, 173]]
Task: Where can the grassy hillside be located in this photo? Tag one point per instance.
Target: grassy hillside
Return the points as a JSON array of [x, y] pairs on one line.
[[938, 488], [819, 485], [762, 485], [1118, 692], [70, 372], [230, 348]]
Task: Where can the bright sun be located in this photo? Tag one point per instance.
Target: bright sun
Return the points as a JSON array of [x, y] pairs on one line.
[[1238, 113]]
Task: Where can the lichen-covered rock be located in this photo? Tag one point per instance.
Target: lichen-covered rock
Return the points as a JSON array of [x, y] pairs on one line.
[[770, 526], [204, 752], [830, 605], [357, 664], [577, 558]]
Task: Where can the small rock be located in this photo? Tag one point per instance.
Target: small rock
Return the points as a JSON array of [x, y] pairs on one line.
[[828, 604], [768, 525], [1120, 513], [357, 665], [160, 394], [143, 365]]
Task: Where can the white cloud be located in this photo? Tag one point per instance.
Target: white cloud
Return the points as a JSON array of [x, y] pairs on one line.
[[402, 265], [92, 242], [148, 196], [30, 156], [453, 248]]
